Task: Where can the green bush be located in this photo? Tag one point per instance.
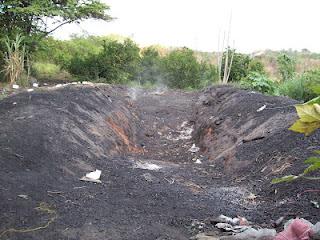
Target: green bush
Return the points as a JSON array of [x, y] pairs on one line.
[[258, 82], [150, 67], [303, 87], [240, 65], [208, 74], [181, 69], [293, 88], [286, 66], [116, 63], [256, 66]]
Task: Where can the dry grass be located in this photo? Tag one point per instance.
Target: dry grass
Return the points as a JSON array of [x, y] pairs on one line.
[[14, 59]]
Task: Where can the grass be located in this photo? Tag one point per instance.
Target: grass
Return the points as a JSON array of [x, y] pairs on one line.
[[49, 71]]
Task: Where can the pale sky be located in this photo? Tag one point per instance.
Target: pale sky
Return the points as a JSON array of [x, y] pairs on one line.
[[256, 24]]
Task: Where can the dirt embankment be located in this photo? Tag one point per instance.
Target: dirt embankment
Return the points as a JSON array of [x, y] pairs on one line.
[[51, 137]]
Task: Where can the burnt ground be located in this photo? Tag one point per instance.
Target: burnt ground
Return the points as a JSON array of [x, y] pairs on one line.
[[52, 137]]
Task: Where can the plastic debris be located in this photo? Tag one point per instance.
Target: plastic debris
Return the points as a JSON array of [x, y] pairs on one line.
[[198, 161], [261, 108], [147, 166], [194, 149], [225, 219], [204, 236], [316, 231], [92, 176], [23, 196], [15, 86], [297, 229], [87, 83], [35, 85], [315, 204], [30, 90], [251, 233]]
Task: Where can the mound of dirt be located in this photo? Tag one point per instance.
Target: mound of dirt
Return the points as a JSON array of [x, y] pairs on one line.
[[170, 161]]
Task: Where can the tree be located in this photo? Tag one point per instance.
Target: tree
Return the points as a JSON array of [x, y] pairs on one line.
[[182, 69], [116, 63], [42, 17], [150, 69]]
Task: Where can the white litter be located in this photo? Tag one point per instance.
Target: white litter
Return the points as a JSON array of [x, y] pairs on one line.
[[261, 108], [225, 219], [87, 83], [92, 176], [147, 166], [198, 161], [15, 86], [194, 149], [35, 85], [23, 196], [30, 90]]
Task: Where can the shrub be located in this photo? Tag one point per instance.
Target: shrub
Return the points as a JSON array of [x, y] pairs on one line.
[[150, 67], [293, 88], [115, 63], [181, 69], [256, 66], [258, 82], [239, 67], [286, 66], [303, 87], [208, 74]]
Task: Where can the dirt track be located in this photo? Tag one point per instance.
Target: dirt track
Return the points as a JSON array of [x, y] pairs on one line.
[[51, 137]]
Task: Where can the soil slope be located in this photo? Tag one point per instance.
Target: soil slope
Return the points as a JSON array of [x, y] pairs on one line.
[[171, 161]]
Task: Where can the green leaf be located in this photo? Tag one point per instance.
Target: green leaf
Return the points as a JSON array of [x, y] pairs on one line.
[[312, 101], [312, 168], [308, 113], [288, 178], [317, 151], [312, 160], [305, 127]]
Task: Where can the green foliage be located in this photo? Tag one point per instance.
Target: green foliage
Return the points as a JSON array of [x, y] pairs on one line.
[[208, 74], [258, 82], [182, 69], [293, 88], [49, 72], [150, 67], [240, 65], [286, 66], [309, 114], [115, 63], [308, 122], [256, 66], [29, 17], [303, 87]]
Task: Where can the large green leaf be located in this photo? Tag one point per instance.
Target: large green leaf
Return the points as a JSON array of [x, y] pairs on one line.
[[305, 127], [308, 113]]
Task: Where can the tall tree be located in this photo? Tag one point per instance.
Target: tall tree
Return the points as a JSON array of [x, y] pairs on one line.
[[42, 17]]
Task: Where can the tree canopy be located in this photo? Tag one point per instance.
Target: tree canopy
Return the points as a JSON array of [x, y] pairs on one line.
[[42, 17]]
